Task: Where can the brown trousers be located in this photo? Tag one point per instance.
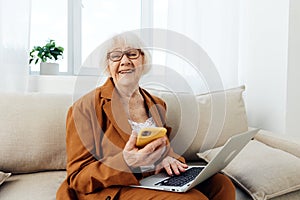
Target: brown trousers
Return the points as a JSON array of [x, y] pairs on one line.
[[218, 187]]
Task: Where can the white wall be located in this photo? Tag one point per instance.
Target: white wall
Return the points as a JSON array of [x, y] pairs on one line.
[[263, 44], [293, 72]]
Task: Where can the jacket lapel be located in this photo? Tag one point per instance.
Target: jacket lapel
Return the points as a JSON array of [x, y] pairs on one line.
[[115, 112], [154, 108]]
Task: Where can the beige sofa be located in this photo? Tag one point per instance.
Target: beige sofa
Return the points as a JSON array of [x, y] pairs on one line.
[[32, 144]]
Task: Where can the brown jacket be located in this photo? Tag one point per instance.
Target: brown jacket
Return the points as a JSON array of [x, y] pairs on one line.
[[97, 131]]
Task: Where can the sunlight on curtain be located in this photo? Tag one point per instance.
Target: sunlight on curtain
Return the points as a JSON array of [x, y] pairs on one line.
[[211, 24], [14, 43]]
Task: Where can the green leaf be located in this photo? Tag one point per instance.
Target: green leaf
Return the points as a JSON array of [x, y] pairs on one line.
[[60, 49], [47, 52]]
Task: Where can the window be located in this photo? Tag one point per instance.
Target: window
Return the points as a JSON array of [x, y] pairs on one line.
[[101, 19], [80, 26], [49, 21]]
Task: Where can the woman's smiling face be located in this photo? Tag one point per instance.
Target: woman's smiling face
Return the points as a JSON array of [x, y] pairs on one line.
[[127, 71]]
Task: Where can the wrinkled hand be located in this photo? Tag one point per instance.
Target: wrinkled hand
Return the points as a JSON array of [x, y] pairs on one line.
[[148, 155], [171, 165]]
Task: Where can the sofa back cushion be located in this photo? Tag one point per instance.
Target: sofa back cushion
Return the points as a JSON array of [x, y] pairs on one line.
[[32, 126], [32, 132], [204, 121]]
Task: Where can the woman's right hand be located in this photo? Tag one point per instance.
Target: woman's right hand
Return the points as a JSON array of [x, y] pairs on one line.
[[148, 155]]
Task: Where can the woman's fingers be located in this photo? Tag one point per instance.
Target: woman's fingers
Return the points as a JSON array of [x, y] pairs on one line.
[[148, 155], [172, 166], [154, 145], [130, 145], [182, 167], [130, 154], [178, 167], [168, 169]]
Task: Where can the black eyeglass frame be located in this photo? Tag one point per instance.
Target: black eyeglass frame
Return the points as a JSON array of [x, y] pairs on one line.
[[126, 52]]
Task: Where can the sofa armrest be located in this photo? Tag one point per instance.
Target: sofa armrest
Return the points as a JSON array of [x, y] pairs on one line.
[[290, 144]]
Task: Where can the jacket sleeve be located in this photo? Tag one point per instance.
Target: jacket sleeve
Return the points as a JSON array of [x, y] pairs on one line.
[[86, 171]]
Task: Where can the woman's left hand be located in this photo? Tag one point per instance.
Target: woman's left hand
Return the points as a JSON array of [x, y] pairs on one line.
[[171, 165]]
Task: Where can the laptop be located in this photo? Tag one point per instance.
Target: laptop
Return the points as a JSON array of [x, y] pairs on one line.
[[196, 174]]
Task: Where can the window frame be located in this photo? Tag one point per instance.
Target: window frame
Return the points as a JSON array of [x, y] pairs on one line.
[[74, 15], [74, 35]]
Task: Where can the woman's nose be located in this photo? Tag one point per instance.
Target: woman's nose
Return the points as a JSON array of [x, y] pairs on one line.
[[125, 60]]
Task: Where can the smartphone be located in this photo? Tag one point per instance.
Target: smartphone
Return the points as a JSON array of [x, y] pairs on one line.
[[148, 134]]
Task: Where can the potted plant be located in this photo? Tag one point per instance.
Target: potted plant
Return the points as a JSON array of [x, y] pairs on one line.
[[47, 55]]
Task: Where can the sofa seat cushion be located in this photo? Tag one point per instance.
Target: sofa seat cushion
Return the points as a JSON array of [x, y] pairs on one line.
[[33, 186]]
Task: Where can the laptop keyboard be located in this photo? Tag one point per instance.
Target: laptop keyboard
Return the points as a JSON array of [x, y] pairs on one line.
[[183, 178]]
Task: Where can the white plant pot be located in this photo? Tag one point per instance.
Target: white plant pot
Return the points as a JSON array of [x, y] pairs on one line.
[[49, 68]]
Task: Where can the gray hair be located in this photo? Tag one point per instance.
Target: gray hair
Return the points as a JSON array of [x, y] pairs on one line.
[[129, 39]]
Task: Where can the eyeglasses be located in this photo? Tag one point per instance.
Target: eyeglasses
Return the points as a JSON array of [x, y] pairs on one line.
[[130, 53]]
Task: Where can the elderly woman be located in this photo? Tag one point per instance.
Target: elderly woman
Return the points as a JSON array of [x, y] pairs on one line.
[[102, 127]]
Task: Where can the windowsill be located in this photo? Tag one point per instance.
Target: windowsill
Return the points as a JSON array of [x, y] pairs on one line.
[[37, 73], [63, 83], [51, 83]]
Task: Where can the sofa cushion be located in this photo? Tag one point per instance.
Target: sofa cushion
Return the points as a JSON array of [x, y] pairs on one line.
[[288, 196], [32, 128], [201, 122], [264, 172], [286, 143], [33, 186], [3, 176]]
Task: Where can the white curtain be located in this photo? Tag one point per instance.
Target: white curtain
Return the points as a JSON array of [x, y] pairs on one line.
[[212, 24], [210, 44], [14, 44]]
